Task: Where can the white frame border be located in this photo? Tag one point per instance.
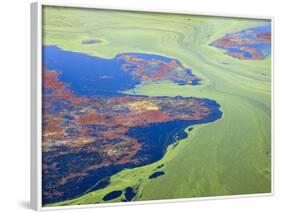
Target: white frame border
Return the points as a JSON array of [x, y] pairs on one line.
[[36, 103]]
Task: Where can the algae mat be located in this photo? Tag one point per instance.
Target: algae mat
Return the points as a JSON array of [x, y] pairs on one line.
[[214, 64]]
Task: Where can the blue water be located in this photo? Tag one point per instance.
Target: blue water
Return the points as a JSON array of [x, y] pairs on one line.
[[156, 175], [129, 194], [90, 75], [112, 195]]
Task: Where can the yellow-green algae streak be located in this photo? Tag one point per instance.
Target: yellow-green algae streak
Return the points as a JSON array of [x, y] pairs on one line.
[[231, 156]]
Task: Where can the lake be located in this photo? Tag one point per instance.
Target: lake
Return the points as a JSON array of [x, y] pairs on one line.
[[91, 130]]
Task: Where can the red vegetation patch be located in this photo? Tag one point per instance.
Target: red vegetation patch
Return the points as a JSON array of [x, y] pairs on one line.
[[91, 118], [157, 70]]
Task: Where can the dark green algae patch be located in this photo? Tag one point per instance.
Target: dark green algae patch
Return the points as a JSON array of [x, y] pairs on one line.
[[107, 131]]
